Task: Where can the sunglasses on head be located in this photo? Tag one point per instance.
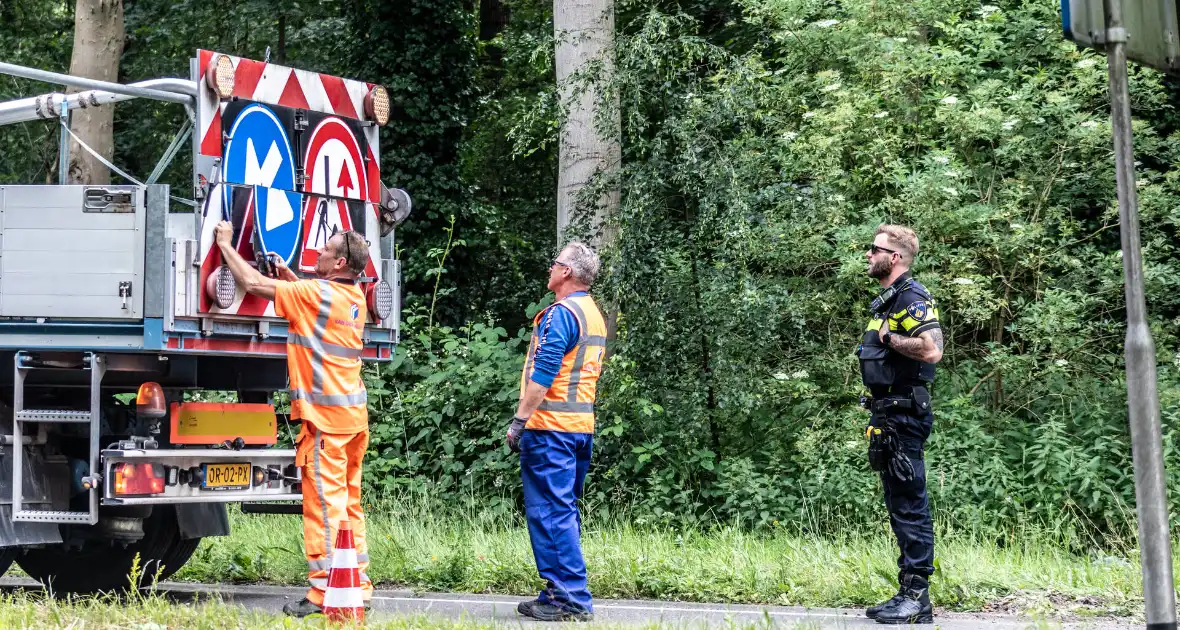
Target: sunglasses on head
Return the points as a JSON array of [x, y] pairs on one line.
[[347, 242]]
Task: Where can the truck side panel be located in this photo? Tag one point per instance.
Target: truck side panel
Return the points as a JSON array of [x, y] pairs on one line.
[[72, 252]]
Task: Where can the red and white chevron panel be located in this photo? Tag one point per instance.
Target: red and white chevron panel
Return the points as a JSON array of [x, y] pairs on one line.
[[279, 85]]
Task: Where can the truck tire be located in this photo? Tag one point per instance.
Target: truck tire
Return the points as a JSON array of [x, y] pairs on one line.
[[174, 558], [100, 566]]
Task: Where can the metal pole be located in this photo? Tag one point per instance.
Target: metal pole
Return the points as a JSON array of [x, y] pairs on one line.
[[118, 88], [47, 105], [1143, 408], [63, 145]]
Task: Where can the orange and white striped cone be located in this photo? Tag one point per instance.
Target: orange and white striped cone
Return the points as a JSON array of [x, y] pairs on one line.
[[343, 600]]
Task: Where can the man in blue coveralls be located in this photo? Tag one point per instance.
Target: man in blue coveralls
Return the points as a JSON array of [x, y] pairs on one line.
[[553, 430]]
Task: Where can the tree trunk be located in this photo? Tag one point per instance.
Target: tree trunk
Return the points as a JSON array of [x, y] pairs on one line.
[[98, 44], [585, 36], [590, 144]]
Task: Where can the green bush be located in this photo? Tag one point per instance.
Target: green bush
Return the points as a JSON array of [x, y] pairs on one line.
[[758, 158]]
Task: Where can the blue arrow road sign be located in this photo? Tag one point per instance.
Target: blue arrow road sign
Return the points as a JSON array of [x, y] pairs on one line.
[[277, 224], [258, 153]]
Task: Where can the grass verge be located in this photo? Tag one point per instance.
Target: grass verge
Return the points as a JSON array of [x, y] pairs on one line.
[[480, 552]]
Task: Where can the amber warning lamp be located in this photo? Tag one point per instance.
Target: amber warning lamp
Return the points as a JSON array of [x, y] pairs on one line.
[[149, 402]]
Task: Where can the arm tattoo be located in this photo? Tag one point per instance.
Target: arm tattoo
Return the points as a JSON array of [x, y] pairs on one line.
[[936, 337], [912, 347]]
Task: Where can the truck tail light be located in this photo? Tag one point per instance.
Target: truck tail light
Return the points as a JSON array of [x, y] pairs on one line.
[[149, 402], [380, 300], [219, 76], [140, 478]]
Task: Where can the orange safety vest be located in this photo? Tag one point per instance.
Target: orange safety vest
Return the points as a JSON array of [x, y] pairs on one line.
[[569, 403], [324, 346]]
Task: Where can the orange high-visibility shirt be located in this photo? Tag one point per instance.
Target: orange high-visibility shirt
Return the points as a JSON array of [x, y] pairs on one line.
[[324, 346], [569, 403]]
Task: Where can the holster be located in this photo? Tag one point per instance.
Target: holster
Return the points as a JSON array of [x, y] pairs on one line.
[[883, 444]]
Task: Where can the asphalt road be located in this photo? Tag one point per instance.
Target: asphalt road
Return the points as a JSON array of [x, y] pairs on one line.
[[501, 609]]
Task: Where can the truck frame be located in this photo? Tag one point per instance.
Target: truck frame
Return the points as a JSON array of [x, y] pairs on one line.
[[115, 316]]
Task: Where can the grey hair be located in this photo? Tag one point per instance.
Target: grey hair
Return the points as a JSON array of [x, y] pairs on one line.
[[583, 262]]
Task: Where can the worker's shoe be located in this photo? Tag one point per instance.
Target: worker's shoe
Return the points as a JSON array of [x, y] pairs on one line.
[[914, 604], [872, 611], [302, 608], [550, 612]]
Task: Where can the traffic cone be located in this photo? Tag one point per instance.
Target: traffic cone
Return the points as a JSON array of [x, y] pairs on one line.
[[343, 600]]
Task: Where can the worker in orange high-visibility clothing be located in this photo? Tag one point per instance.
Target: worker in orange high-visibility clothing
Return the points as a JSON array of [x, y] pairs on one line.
[[324, 346], [553, 430]]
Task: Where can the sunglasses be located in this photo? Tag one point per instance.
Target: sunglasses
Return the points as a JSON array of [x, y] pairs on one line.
[[558, 262], [877, 249], [347, 242]]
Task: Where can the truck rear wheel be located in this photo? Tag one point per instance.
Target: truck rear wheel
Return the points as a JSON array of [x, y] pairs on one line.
[[101, 565]]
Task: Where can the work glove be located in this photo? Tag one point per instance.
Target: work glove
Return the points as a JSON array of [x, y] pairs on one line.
[[515, 428], [900, 467]]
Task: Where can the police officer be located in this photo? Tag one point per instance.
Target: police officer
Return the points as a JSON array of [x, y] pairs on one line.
[[900, 347], [553, 430], [324, 347]]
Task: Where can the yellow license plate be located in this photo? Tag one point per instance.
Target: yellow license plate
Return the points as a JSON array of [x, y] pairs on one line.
[[226, 477]]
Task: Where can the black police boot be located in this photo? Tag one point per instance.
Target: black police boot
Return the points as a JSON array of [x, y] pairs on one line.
[[914, 605], [872, 611]]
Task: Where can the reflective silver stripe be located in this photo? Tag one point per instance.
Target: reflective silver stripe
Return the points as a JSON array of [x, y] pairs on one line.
[[319, 565], [579, 315], [316, 345], [364, 577], [594, 340], [566, 407], [320, 583], [362, 557], [323, 503], [332, 400], [576, 373], [321, 329]]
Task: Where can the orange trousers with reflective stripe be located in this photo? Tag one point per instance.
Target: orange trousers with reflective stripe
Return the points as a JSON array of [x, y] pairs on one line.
[[331, 466]]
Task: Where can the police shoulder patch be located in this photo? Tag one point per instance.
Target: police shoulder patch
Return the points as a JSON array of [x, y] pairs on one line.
[[919, 310]]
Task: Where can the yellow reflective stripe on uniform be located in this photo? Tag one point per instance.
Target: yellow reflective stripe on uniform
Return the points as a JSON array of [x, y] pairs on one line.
[[566, 407], [320, 331], [319, 489], [909, 323], [332, 400], [324, 347]]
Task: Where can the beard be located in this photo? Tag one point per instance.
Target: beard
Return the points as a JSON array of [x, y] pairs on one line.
[[880, 268]]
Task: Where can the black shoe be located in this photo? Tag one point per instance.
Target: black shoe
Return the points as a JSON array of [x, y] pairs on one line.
[[871, 612], [302, 608], [913, 605], [550, 612]]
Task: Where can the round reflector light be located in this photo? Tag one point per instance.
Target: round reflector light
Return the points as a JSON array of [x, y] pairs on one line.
[[221, 288], [377, 105], [219, 76], [380, 300]]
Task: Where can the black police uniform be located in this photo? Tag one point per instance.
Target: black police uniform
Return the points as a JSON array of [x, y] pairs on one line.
[[900, 388]]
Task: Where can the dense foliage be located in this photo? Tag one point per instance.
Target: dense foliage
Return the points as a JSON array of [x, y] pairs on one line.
[[763, 142]]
